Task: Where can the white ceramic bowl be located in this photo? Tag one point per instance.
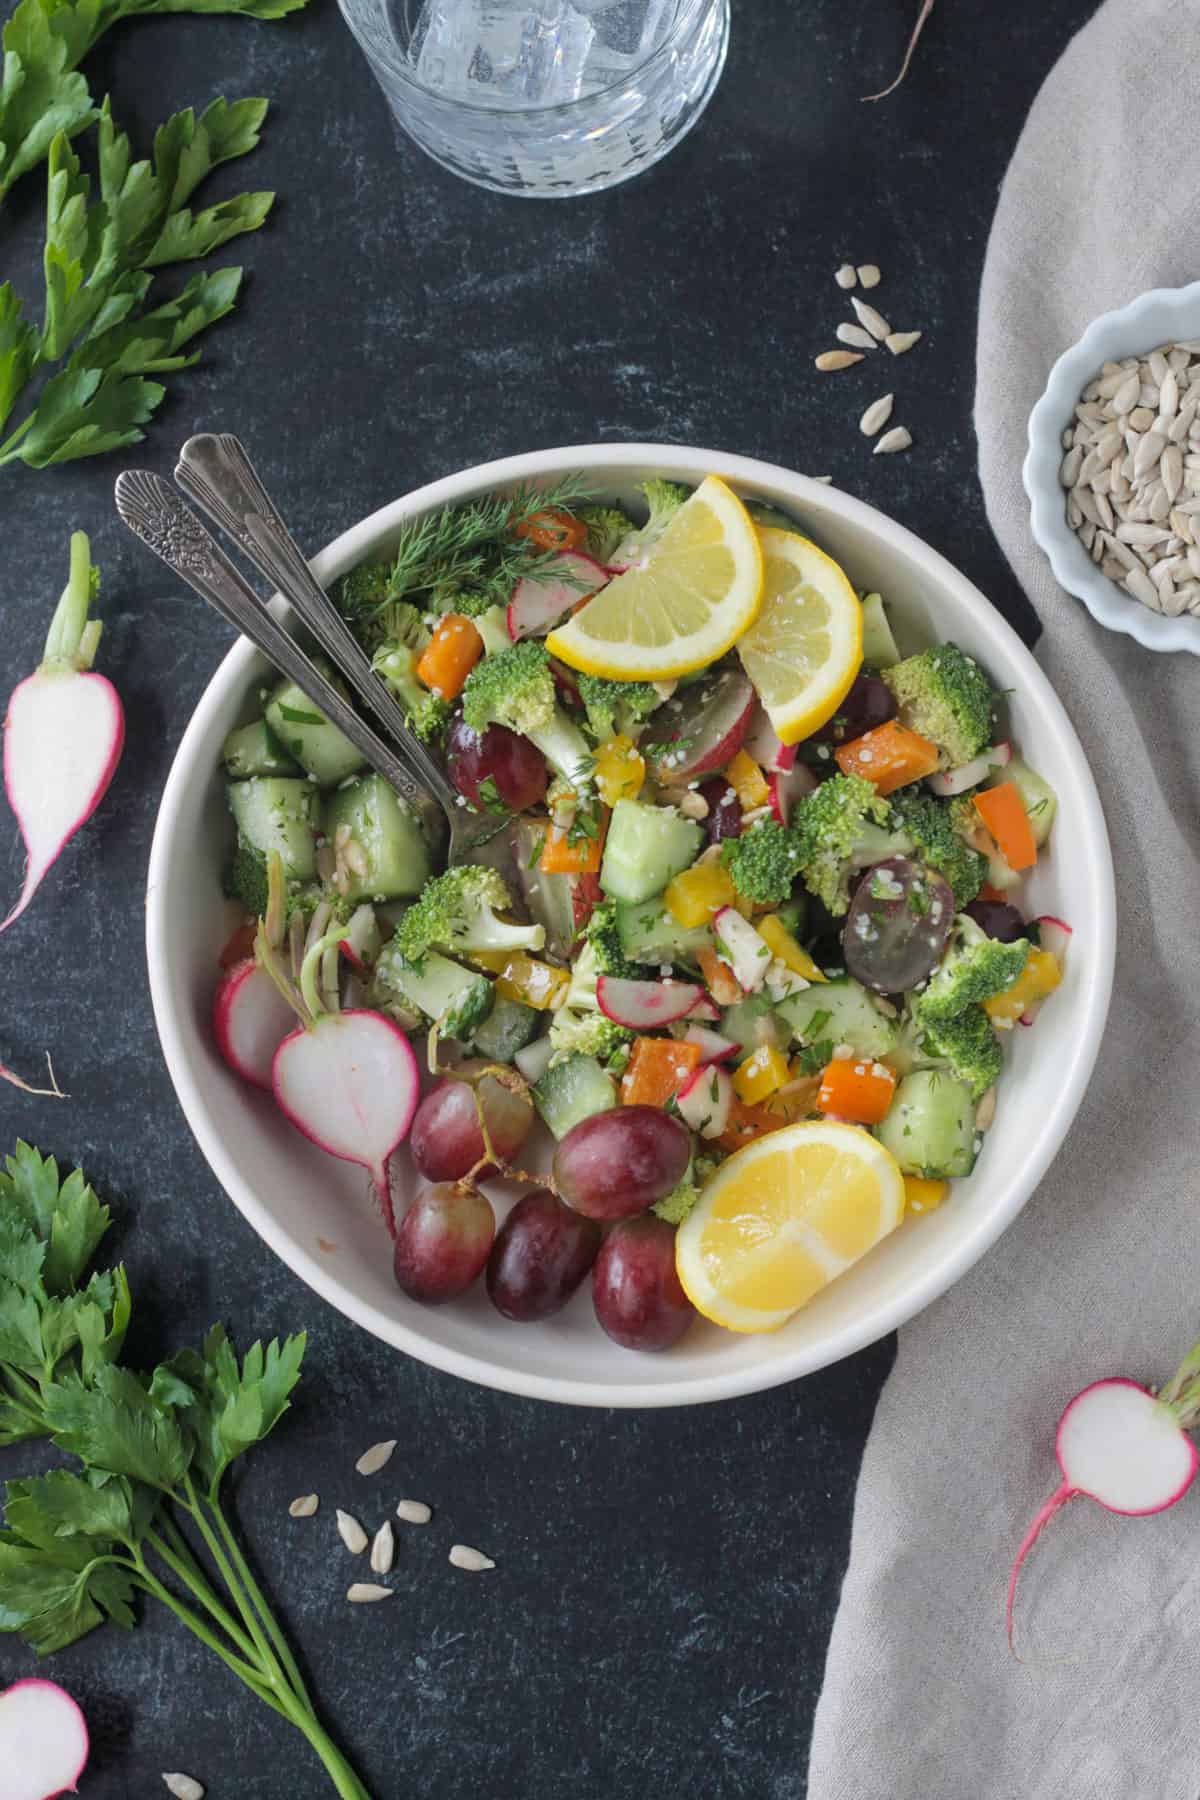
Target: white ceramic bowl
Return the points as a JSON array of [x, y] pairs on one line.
[[1159, 317], [297, 1198]]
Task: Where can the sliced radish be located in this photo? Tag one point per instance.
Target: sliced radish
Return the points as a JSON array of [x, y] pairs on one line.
[[704, 1099], [565, 682], [534, 1059], [763, 744], [251, 1018], [43, 1741], [748, 955], [643, 1005], [705, 1011], [948, 782], [349, 1082], [707, 726], [713, 1047], [538, 603], [362, 941], [787, 786], [1055, 935]]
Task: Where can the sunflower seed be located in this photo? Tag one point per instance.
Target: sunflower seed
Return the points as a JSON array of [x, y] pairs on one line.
[[414, 1512], [898, 438], [351, 1533], [1181, 525], [1104, 508], [1068, 437], [1126, 396], [1112, 568], [372, 1460], [1168, 394], [868, 274], [874, 321], [836, 359], [184, 1787], [1132, 533], [1097, 547], [877, 415], [1158, 367], [1148, 452], [361, 1593], [1141, 418], [1193, 561], [1108, 384], [304, 1506], [463, 1557], [1170, 470], [845, 276], [856, 336], [1085, 500], [1069, 469], [1142, 588], [1160, 503], [383, 1550]]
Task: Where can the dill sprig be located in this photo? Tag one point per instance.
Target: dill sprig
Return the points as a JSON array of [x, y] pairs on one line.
[[470, 549]]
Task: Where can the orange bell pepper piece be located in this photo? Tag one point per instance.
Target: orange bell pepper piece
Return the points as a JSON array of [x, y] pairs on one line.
[[551, 529], [655, 1070], [856, 1088], [890, 757], [1002, 812], [719, 978], [745, 1123], [561, 856], [450, 655]]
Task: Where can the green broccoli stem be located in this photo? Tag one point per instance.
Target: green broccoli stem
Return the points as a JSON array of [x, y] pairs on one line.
[[311, 985], [72, 640], [565, 749]]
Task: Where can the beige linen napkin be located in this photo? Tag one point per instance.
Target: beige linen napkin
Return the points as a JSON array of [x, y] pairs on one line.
[[1101, 1274]]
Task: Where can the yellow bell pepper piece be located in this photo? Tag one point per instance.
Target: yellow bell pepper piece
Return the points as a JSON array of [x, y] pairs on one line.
[[695, 895], [620, 769], [1040, 976], [783, 945], [748, 781], [524, 978], [922, 1195], [763, 1071]]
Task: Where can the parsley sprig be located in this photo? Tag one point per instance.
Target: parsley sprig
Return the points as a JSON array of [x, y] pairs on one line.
[[143, 1508]]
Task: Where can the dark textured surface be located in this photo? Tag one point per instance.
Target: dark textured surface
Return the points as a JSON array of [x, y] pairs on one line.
[[666, 1581]]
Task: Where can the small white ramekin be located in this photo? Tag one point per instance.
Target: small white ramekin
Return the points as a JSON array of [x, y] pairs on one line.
[[1162, 316]]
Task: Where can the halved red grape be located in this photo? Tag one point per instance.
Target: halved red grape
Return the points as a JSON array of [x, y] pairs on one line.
[[870, 702], [443, 1243], [516, 766], [446, 1142], [620, 1162], [724, 809], [998, 919], [542, 1252], [637, 1294], [897, 925]]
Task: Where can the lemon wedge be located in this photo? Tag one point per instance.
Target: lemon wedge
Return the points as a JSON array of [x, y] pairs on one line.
[[693, 596], [783, 1218], [804, 649]]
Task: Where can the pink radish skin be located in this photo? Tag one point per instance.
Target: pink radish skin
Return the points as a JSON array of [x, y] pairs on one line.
[[250, 1020], [763, 744], [1121, 1447], [644, 1004], [747, 954], [63, 734], [949, 782], [349, 1082], [705, 1110], [705, 1011], [788, 786], [538, 604], [713, 1047], [43, 1741], [1055, 935]]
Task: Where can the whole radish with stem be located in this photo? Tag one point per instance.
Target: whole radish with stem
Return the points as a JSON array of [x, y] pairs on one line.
[[1124, 1446], [43, 1741], [63, 733]]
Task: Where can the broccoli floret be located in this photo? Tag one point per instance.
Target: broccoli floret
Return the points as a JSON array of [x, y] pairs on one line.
[[676, 1205], [364, 589], [969, 1045], [427, 713], [457, 912], [515, 688], [245, 878], [602, 934], [764, 861], [616, 707], [578, 1023], [945, 695], [844, 825], [607, 526], [470, 602], [975, 967], [304, 898], [455, 999], [664, 498], [932, 826]]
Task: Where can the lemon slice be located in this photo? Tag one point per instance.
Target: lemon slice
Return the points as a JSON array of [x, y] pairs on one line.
[[693, 596], [783, 1218], [805, 647]]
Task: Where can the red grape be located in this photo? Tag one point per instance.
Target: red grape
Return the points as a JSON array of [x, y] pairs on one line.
[[998, 919], [637, 1294], [724, 809], [620, 1162], [542, 1252], [870, 702], [897, 925], [443, 1243], [516, 766], [445, 1140]]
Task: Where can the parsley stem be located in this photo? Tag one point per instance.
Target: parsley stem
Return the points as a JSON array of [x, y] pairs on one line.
[[257, 1599], [252, 1677], [173, 1549], [270, 1666]]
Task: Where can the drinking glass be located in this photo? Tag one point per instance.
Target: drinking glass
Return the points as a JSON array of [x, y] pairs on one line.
[[544, 97]]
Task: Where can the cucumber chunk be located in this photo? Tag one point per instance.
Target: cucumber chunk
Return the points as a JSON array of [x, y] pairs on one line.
[[317, 745], [646, 846], [843, 1012], [1037, 796], [930, 1128], [751, 1022], [572, 1090], [650, 934], [508, 1028], [276, 812], [878, 645], [398, 863], [457, 999], [255, 750]]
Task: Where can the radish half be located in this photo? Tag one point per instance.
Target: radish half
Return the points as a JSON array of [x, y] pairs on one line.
[[63, 733], [43, 1741], [738, 944], [763, 743], [704, 1100], [538, 602], [644, 1004], [713, 1047], [251, 1018], [1120, 1446], [787, 786], [1055, 936]]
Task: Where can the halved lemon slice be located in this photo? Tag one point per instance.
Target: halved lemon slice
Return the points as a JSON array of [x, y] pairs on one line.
[[805, 647], [696, 592], [783, 1218]]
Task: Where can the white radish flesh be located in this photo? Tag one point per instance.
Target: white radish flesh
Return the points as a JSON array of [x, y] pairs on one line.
[[705, 1011], [1121, 1447], [645, 1004], [704, 1100], [788, 786], [738, 944], [350, 1083], [251, 1018], [539, 603], [948, 782], [713, 1047], [1055, 936], [43, 1741], [763, 744], [363, 940]]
